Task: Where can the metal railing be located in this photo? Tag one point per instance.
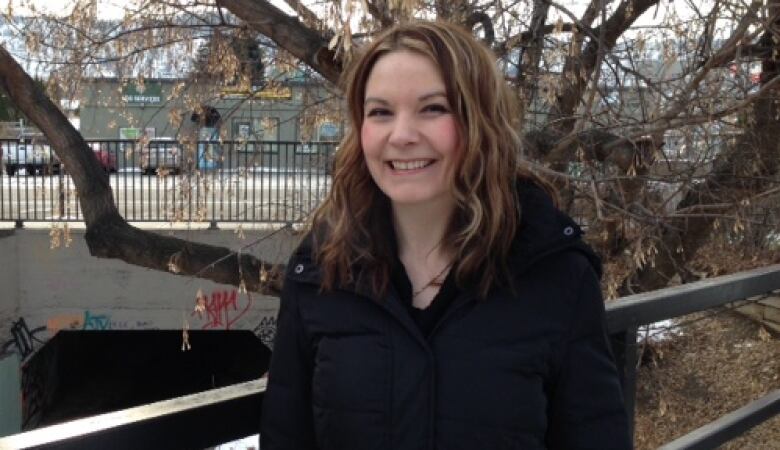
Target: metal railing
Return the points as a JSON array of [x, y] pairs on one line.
[[627, 314], [168, 181], [193, 421], [236, 409]]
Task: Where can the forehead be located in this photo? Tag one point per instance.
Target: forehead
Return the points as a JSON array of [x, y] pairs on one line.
[[404, 69]]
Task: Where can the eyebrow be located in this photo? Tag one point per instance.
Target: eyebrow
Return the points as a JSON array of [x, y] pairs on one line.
[[421, 98]]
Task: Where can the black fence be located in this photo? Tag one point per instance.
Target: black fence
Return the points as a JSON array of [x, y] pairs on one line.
[[233, 412], [171, 181]]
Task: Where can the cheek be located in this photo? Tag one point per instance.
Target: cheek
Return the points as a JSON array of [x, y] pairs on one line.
[[371, 150], [448, 138], [368, 136]]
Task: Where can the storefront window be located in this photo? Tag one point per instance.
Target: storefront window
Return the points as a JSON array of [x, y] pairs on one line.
[[266, 128]]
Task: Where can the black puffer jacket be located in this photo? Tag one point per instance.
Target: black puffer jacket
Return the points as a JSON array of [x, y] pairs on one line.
[[525, 371]]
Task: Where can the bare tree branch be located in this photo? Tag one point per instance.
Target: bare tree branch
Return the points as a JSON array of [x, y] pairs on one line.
[[478, 17], [744, 169], [309, 18], [529, 66], [300, 41], [108, 235], [603, 154], [380, 11], [579, 70]]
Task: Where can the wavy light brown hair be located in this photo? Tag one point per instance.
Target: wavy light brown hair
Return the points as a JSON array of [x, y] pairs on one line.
[[353, 226]]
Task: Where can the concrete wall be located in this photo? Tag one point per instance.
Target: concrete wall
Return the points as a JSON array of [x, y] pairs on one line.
[[45, 290], [9, 283], [765, 311], [10, 396]]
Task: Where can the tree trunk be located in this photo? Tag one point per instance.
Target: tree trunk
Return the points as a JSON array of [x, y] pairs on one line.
[[108, 235], [744, 169]]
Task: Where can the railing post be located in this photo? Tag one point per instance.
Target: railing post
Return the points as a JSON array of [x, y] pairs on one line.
[[625, 350], [61, 195]]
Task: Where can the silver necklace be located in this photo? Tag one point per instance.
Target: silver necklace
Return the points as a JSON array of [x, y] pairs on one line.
[[435, 281]]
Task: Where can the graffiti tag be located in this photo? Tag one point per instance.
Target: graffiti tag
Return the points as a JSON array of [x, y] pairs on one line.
[[266, 330], [221, 309], [23, 340], [65, 322], [33, 382], [96, 321]]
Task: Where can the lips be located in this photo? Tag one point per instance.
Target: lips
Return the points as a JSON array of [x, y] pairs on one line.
[[411, 165]]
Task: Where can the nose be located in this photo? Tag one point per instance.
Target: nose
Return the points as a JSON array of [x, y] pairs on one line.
[[404, 131]]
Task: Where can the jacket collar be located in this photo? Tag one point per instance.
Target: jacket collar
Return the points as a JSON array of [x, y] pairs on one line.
[[303, 268]]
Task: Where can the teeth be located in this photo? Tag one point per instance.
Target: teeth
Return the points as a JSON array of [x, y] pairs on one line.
[[410, 165]]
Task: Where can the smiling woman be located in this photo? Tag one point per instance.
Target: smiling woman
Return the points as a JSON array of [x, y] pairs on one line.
[[409, 134], [440, 300]]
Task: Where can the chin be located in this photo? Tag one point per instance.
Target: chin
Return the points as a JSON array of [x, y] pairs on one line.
[[414, 198], [409, 201], [404, 197]]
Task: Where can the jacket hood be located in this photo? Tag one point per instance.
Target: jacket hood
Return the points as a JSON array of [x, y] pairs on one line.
[[544, 231]]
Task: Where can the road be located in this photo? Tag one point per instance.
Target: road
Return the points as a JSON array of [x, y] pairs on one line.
[[222, 196]]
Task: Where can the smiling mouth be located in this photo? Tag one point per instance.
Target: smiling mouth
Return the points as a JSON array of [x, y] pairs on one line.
[[411, 165]]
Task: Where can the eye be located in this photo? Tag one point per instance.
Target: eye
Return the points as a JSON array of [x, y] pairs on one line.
[[377, 112], [436, 108]]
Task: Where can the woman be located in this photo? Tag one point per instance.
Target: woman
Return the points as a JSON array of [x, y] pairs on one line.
[[440, 300]]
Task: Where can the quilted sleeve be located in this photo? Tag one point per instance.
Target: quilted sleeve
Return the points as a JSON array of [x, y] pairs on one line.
[[586, 408], [286, 421]]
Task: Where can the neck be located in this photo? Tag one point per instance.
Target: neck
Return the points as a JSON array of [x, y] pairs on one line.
[[420, 231]]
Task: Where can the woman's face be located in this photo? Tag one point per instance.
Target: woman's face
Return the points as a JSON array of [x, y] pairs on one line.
[[409, 134]]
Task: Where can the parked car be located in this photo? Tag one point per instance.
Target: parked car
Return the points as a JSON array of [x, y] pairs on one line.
[[106, 158], [161, 154], [33, 155]]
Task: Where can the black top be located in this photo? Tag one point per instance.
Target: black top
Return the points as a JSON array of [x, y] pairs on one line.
[[426, 319]]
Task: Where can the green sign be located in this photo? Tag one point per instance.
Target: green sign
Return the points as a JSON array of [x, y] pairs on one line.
[[148, 93], [129, 133]]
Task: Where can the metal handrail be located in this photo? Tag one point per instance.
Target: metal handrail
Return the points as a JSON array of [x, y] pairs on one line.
[[734, 423], [625, 315], [182, 422], [675, 301]]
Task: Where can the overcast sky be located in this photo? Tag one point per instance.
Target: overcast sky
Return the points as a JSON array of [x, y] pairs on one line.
[[113, 9], [107, 9]]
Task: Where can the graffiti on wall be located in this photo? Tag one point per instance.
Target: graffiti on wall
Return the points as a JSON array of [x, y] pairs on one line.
[[24, 341], [91, 321], [86, 321], [33, 392], [65, 322], [266, 330], [221, 309], [96, 321]]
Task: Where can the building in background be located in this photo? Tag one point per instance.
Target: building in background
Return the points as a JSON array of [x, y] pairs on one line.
[[111, 108]]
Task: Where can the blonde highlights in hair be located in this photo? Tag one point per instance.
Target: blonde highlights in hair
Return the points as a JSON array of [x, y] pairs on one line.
[[352, 227]]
